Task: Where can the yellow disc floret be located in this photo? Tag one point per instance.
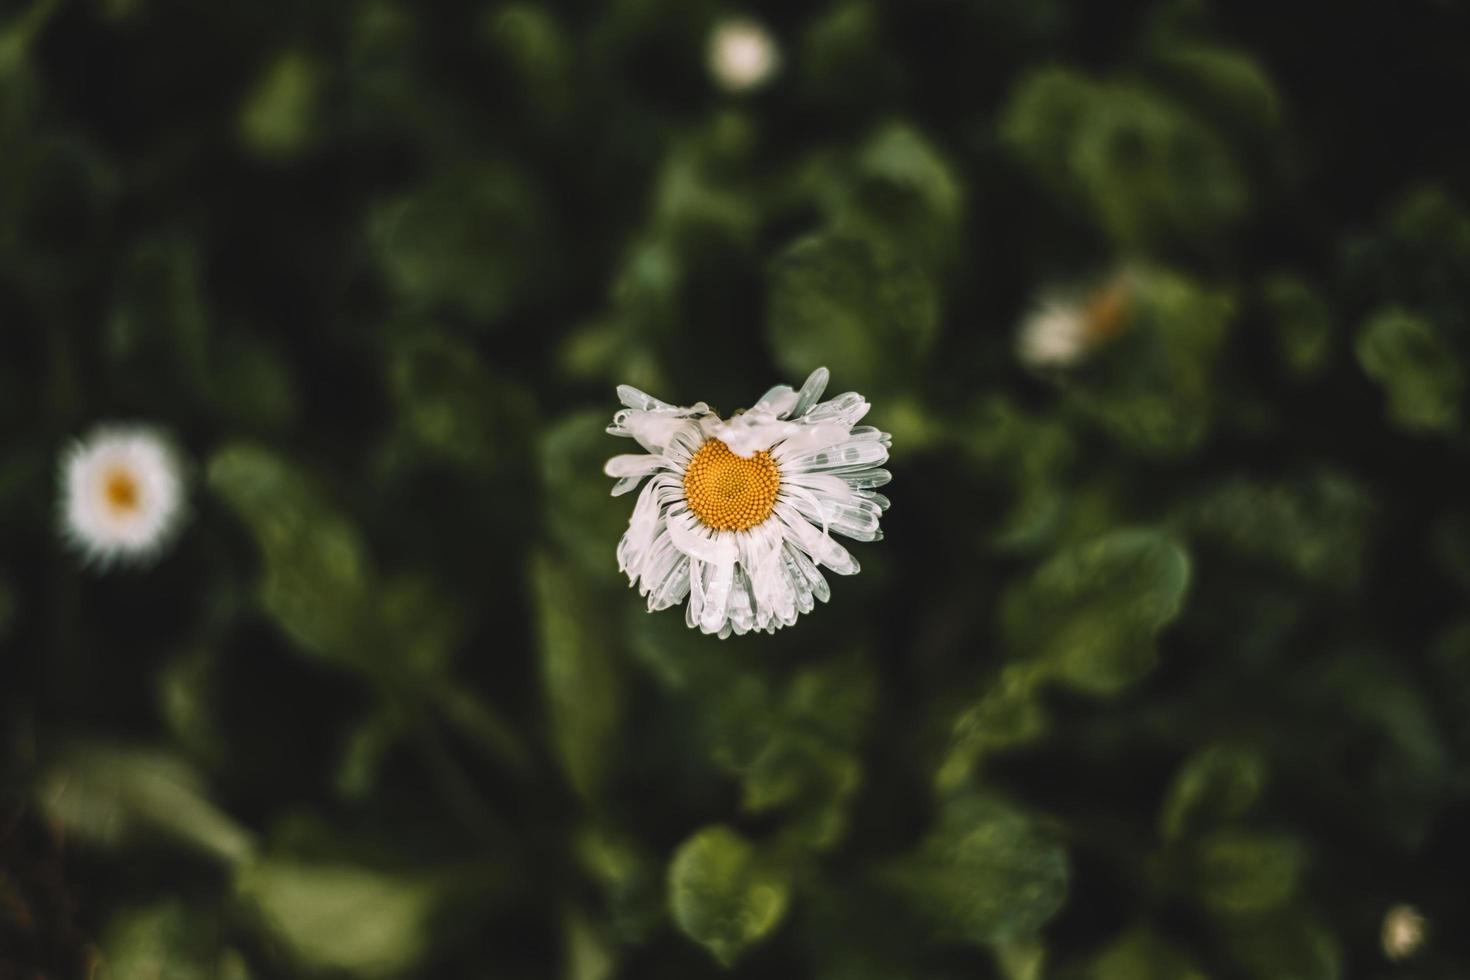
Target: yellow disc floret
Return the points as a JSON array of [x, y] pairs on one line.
[[122, 491], [727, 492]]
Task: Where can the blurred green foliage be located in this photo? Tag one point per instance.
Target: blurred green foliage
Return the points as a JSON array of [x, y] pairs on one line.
[[1161, 671]]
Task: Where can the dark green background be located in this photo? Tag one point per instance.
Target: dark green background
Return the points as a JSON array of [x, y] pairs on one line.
[[1161, 672]]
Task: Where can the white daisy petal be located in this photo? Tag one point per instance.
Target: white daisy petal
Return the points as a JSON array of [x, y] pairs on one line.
[[779, 401], [816, 383], [738, 515], [718, 583], [698, 541], [848, 407], [849, 456]]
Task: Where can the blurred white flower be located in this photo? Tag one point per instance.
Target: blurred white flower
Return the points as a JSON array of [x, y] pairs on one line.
[[122, 494], [738, 514], [742, 54], [1067, 325], [1404, 931]]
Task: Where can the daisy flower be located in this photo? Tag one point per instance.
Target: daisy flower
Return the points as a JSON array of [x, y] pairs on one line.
[[738, 515], [1404, 932], [122, 495], [1066, 327], [742, 54]]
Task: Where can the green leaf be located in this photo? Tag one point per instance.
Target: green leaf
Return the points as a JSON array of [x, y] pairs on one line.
[[581, 517], [450, 407], [160, 314], [808, 776], [631, 880], [1147, 169], [723, 895], [338, 917], [1156, 391], [1315, 527], [171, 940], [278, 118], [1376, 745], [1303, 323], [905, 194], [114, 797], [421, 625], [250, 383], [1216, 785], [986, 874], [1091, 614], [1143, 955], [1009, 714], [1223, 78], [580, 675], [1023, 960], [1243, 871], [1419, 372], [472, 241], [1288, 945], [845, 302], [317, 581]]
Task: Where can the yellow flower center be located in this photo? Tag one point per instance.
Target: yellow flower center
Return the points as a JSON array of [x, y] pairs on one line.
[[729, 493], [122, 491]]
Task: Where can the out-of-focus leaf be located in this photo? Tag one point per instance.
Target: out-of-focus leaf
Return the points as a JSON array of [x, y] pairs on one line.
[[808, 775], [581, 517], [835, 698], [362, 754], [631, 880], [278, 118], [1287, 944], [160, 314], [1031, 453], [420, 625], [905, 193], [1155, 392], [841, 301], [1302, 321], [690, 205], [588, 954], [338, 917], [1419, 372], [579, 673], [1009, 714], [843, 62], [1022, 960], [1143, 955], [723, 894], [1241, 871], [472, 241], [1376, 750], [187, 692], [451, 407], [316, 581], [1092, 613], [1144, 166], [250, 383], [986, 874], [115, 796], [1214, 786], [1222, 78], [529, 39], [167, 941], [1316, 527]]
